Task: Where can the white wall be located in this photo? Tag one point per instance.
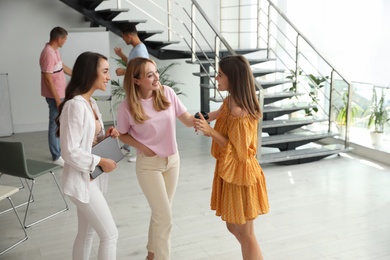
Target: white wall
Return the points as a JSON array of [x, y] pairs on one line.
[[359, 49], [24, 29], [353, 35]]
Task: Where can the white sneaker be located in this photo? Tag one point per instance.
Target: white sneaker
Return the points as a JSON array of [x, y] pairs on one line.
[[59, 161], [133, 158]]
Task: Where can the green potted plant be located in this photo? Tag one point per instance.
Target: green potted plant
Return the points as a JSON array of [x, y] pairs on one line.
[[294, 79], [378, 116], [315, 83], [341, 117], [119, 93]]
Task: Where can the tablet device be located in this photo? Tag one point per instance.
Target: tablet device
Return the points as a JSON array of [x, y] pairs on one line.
[[107, 148]]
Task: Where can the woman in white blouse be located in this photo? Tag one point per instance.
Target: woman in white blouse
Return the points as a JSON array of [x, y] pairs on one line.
[[80, 126]]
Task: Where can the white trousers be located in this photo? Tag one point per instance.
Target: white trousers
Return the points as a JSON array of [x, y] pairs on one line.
[[158, 180], [94, 216]]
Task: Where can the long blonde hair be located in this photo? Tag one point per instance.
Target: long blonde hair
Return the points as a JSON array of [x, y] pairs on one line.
[[136, 69], [241, 84]]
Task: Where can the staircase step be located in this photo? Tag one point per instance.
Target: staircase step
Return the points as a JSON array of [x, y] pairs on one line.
[[295, 136], [169, 54], [120, 23], [92, 4], [156, 45], [212, 61], [262, 72], [274, 97], [204, 74], [290, 141], [142, 35], [270, 112], [302, 155], [268, 84], [111, 13], [279, 127], [256, 72], [268, 97], [258, 61]]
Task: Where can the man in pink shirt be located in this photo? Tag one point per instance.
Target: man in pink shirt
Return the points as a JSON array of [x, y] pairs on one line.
[[53, 85]]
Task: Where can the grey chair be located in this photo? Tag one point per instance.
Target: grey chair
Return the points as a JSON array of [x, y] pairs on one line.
[[14, 163], [7, 192]]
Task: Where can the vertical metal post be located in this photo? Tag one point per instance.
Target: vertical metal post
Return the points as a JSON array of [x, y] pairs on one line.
[[217, 58], [330, 100], [347, 125], [258, 24], [204, 91], [239, 25], [297, 63], [260, 125], [169, 20], [269, 30], [193, 46], [118, 4]]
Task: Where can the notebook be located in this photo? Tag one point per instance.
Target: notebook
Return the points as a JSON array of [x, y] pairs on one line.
[[107, 148]]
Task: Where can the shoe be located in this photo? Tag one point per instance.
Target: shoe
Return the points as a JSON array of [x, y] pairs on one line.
[[132, 158], [125, 152], [59, 161]]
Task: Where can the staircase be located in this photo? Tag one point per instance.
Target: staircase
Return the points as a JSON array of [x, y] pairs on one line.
[[284, 140]]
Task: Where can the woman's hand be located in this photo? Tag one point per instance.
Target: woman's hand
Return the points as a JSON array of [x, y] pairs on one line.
[[201, 124], [108, 165], [111, 131]]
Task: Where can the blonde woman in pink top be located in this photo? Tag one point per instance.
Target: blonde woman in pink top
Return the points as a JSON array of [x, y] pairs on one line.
[[146, 121]]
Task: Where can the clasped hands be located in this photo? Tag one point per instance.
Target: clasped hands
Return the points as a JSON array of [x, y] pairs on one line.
[[201, 125]]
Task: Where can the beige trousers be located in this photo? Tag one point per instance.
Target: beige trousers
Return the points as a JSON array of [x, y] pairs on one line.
[[158, 180]]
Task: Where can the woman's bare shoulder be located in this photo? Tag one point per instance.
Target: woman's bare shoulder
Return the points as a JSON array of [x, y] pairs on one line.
[[238, 111]]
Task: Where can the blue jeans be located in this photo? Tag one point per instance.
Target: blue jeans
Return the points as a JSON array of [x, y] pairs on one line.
[[54, 141]]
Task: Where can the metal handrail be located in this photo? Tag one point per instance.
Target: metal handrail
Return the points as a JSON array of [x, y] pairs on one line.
[[302, 37], [194, 44]]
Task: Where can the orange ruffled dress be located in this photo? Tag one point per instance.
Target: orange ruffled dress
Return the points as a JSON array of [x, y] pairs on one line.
[[239, 189]]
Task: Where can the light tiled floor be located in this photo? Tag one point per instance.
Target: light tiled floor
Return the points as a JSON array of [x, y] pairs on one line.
[[336, 208]]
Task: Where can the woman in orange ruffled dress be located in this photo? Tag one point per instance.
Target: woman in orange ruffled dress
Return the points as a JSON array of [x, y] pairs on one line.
[[239, 191]]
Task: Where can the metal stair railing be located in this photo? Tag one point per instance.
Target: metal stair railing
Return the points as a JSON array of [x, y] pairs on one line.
[[334, 74], [192, 41], [292, 54], [196, 37]]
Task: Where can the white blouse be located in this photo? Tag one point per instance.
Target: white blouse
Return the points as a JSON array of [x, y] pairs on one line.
[[77, 132]]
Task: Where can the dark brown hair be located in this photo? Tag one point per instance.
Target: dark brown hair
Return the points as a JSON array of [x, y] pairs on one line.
[[84, 74], [57, 32], [241, 83]]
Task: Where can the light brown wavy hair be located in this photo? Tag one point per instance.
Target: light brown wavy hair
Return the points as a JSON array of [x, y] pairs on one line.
[[136, 69], [241, 84]]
